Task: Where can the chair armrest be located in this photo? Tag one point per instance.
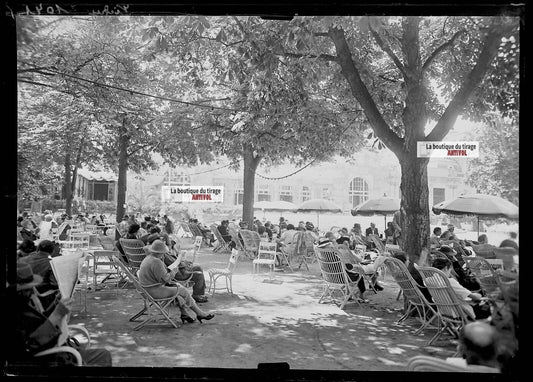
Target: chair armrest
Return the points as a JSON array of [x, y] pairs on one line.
[[82, 329], [62, 349]]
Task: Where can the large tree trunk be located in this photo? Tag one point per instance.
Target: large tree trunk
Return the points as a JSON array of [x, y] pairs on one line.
[[250, 165], [414, 206], [68, 185], [122, 172]]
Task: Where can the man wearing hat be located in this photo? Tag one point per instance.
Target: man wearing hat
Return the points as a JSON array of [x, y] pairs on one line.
[[31, 331]]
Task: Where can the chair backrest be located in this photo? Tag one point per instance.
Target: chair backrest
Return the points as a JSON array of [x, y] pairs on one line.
[[403, 278], [233, 258], [426, 363], [106, 242], [235, 238], [91, 228], [197, 245], [331, 267], [134, 251], [251, 240], [444, 297], [267, 250], [377, 242], [61, 234], [484, 271], [216, 232], [195, 230], [103, 257]]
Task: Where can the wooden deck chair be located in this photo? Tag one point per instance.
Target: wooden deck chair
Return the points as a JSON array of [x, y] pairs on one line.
[[153, 307], [335, 278], [426, 363], [484, 272], [197, 232], [451, 315], [221, 244], [227, 273], [134, 251], [380, 247], [411, 290], [251, 240]]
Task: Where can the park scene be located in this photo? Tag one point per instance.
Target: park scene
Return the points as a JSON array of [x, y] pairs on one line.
[[329, 193]]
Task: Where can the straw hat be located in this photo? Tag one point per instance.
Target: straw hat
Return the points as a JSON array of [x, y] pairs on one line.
[[158, 246], [323, 242], [26, 279]]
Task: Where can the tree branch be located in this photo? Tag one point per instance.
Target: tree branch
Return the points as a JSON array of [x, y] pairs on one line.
[[361, 93], [325, 57], [473, 79], [388, 50], [444, 46]]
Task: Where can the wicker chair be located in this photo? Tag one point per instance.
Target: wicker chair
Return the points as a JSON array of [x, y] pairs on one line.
[[335, 278], [134, 251], [451, 315], [411, 291]]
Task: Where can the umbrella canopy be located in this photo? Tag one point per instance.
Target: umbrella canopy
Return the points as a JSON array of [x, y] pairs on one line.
[[318, 205], [482, 206], [485, 206], [279, 205], [379, 206]]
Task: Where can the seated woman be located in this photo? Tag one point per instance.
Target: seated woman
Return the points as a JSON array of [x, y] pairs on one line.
[[155, 277], [223, 229]]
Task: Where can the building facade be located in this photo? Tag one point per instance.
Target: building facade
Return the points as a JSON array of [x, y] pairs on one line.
[[369, 175]]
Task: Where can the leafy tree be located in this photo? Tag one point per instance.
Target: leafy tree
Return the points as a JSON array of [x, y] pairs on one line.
[[398, 68], [274, 109], [496, 170]]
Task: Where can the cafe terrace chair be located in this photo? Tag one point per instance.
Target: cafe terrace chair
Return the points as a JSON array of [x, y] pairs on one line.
[[335, 278], [227, 273], [196, 247], [103, 265], [153, 308], [221, 245], [251, 240], [433, 364], [265, 256], [451, 316], [484, 272], [135, 253], [106, 242], [411, 290]]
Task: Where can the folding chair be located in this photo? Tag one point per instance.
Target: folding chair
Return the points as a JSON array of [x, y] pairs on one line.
[[216, 273], [221, 245], [335, 277], [106, 242], [153, 307], [251, 240], [451, 315], [410, 289]]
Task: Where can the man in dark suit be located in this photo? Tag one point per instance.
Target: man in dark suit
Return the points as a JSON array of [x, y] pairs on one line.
[[372, 230]]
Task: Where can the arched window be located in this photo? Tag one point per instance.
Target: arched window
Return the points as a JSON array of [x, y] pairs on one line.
[[358, 191]]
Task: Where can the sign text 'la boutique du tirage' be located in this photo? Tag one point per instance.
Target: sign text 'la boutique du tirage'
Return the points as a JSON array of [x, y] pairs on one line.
[[192, 194]]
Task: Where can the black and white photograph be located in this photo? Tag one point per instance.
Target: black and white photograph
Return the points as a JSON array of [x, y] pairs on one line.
[[315, 191]]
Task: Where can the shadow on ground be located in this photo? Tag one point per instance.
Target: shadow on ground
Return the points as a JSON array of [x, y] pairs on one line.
[[264, 321]]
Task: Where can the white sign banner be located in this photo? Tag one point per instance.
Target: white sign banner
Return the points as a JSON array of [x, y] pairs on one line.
[[192, 194], [439, 149]]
